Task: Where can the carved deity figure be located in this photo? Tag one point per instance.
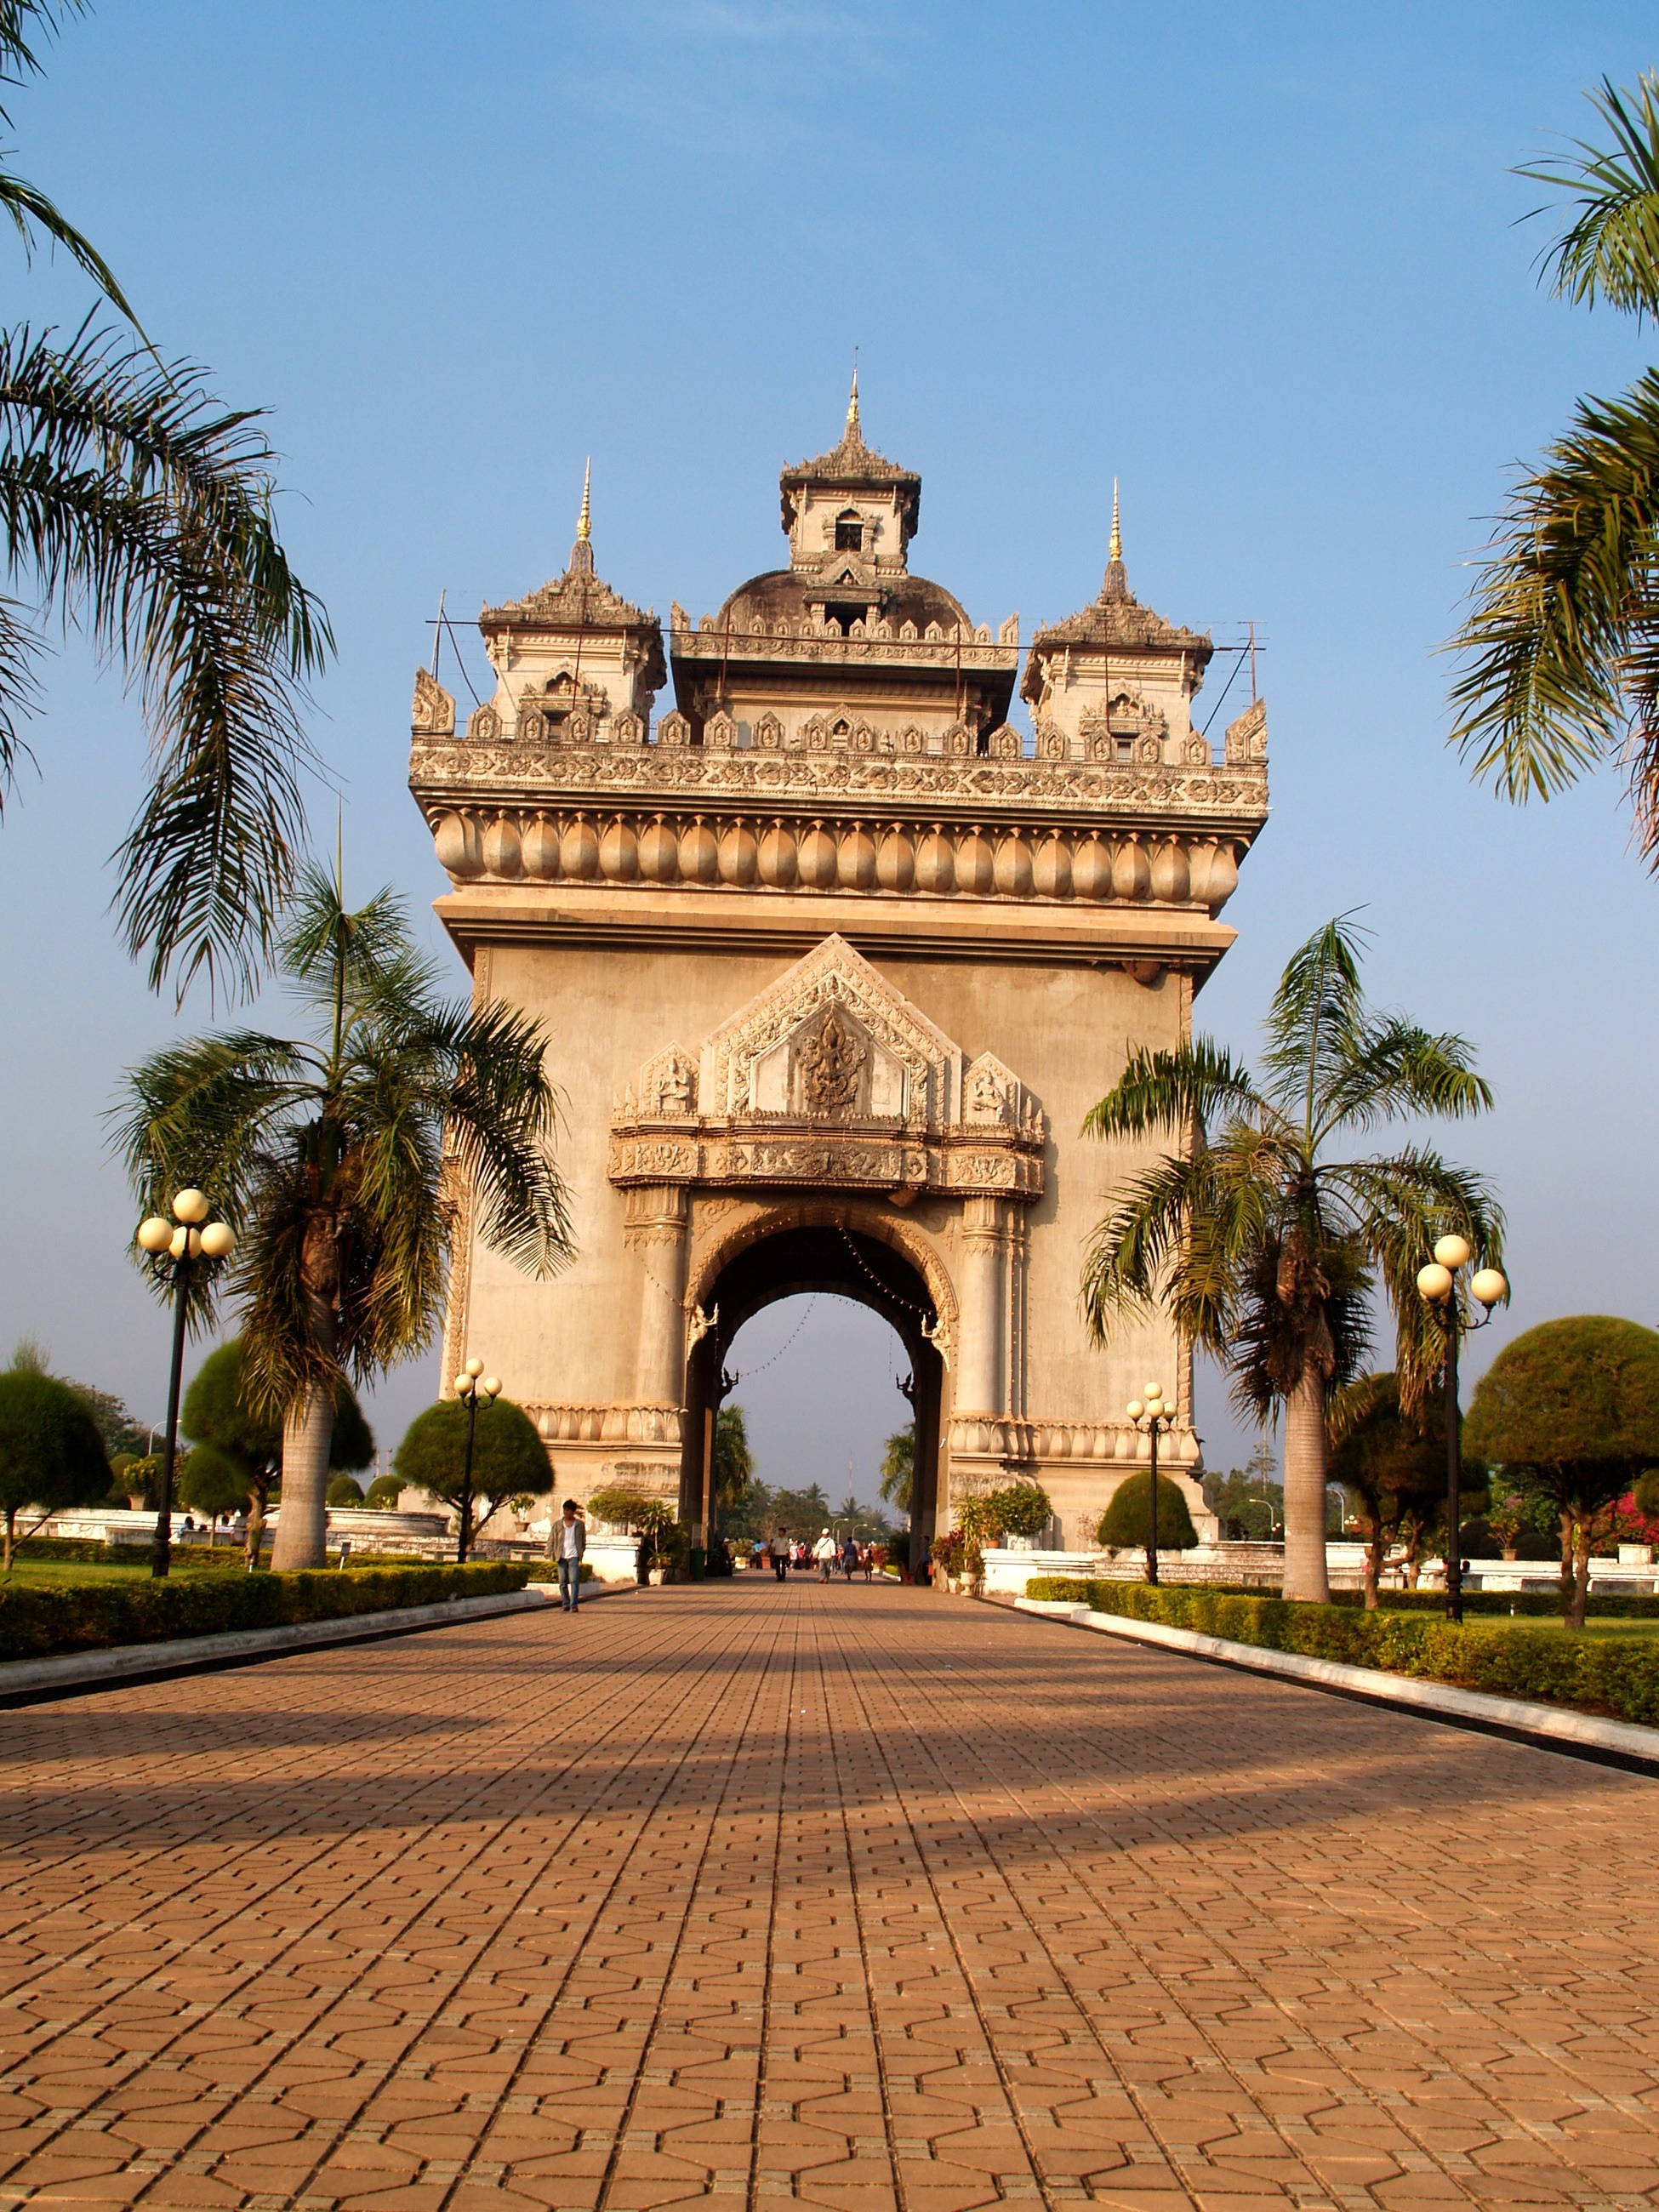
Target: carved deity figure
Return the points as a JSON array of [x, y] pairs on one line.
[[830, 1064], [986, 1101], [674, 1089]]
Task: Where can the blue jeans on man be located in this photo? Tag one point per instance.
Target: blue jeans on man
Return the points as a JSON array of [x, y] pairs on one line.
[[570, 1584]]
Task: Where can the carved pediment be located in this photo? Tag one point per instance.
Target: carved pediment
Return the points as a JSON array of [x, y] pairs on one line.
[[830, 1076], [774, 1055]]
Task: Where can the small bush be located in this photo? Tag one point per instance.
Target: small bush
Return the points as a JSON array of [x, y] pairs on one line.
[[1123, 1524], [345, 1490], [1599, 1674], [37, 1619], [383, 1494]]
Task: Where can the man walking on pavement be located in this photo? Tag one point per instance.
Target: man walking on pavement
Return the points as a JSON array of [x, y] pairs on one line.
[[571, 1537], [779, 1551], [825, 1552]]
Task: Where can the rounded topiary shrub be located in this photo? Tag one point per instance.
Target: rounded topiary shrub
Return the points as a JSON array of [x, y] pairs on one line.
[[344, 1491], [1123, 1524], [383, 1494]]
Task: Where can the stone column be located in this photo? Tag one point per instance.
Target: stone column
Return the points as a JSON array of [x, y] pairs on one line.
[[658, 1216], [980, 1385]]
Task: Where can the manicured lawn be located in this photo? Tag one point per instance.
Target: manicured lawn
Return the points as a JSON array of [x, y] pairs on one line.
[[89, 1570], [1592, 1627]]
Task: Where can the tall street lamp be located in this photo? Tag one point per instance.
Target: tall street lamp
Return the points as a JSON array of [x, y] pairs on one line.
[[472, 1388], [189, 1236], [1152, 1419], [1438, 1283]]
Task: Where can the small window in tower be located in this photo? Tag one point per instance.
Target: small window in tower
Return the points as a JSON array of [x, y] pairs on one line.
[[842, 618], [849, 532]]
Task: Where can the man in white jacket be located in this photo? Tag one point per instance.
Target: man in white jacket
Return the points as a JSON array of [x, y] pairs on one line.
[[570, 1540], [825, 1552]]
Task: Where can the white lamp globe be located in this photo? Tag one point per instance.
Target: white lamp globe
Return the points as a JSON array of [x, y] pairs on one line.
[[1135, 1409], [155, 1234], [179, 1242], [462, 1386], [1489, 1286], [1154, 1390], [1435, 1282], [475, 1367], [1452, 1251], [217, 1241], [491, 1386], [190, 1205]]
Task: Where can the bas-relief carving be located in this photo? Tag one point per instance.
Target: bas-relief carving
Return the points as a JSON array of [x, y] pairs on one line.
[[434, 712], [673, 766], [831, 1075]]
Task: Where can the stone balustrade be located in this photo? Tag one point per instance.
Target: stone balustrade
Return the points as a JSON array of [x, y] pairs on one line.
[[860, 855]]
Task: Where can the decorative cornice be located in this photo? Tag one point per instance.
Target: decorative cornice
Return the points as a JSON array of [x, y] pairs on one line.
[[803, 782]]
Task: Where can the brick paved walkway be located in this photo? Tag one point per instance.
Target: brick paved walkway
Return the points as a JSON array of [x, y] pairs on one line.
[[860, 1897]]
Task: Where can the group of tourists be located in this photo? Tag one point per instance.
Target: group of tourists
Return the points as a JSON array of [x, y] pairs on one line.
[[785, 1553]]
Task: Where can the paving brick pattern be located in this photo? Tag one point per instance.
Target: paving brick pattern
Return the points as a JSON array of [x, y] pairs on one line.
[[860, 1897]]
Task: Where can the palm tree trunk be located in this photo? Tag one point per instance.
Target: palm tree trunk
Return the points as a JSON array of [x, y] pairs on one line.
[[1304, 1491], [302, 1524]]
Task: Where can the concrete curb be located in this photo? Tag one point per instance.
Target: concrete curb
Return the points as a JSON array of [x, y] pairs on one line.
[[1547, 1727], [72, 1674]]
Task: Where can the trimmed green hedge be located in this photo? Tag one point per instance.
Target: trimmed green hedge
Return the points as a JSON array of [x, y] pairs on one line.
[[37, 1619], [1605, 1674]]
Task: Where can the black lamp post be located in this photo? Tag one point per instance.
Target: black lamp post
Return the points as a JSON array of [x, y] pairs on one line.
[[1437, 1283], [1152, 1419], [469, 1387], [190, 1238]]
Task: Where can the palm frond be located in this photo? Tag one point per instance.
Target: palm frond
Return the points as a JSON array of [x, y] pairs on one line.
[[502, 1112], [24, 24], [1570, 582], [1178, 1237], [1316, 1012], [1171, 1092], [1610, 250], [138, 507], [1304, 1302], [1392, 1069], [201, 1113]]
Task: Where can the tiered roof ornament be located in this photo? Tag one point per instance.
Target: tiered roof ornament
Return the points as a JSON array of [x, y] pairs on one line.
[[578, 599], [854, 466]]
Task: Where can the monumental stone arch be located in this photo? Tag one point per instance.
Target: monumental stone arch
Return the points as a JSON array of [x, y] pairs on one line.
[[834, 962]]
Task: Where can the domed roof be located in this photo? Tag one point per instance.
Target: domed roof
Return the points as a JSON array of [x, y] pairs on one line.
[[786, 594]]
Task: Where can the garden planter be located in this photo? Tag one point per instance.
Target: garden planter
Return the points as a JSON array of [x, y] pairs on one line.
[[657, 1577]]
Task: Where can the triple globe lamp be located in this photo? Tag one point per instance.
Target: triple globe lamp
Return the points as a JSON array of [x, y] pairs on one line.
[[1438, 1286], [186, 1236], [1152, 1416], [472, 1386]]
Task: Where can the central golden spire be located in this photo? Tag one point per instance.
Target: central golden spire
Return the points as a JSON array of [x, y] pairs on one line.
[[1115, 551], [853, 430], [583, 519]]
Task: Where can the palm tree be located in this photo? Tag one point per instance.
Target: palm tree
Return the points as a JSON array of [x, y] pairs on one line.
[[1562, 641], [135, 507], [898, 1469], [346, 1165], [1262, 1247]]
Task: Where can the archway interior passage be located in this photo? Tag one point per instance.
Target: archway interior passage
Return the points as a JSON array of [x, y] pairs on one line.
[[837, 1263], [821, 1379]]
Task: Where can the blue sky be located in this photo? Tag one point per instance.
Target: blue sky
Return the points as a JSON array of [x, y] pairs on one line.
[[1261, 263]]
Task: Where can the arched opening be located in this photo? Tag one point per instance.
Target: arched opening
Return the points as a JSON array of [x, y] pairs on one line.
[[842, 1257]]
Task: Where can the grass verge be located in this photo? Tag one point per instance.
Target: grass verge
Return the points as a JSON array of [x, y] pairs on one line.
[[1617, 1676]]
